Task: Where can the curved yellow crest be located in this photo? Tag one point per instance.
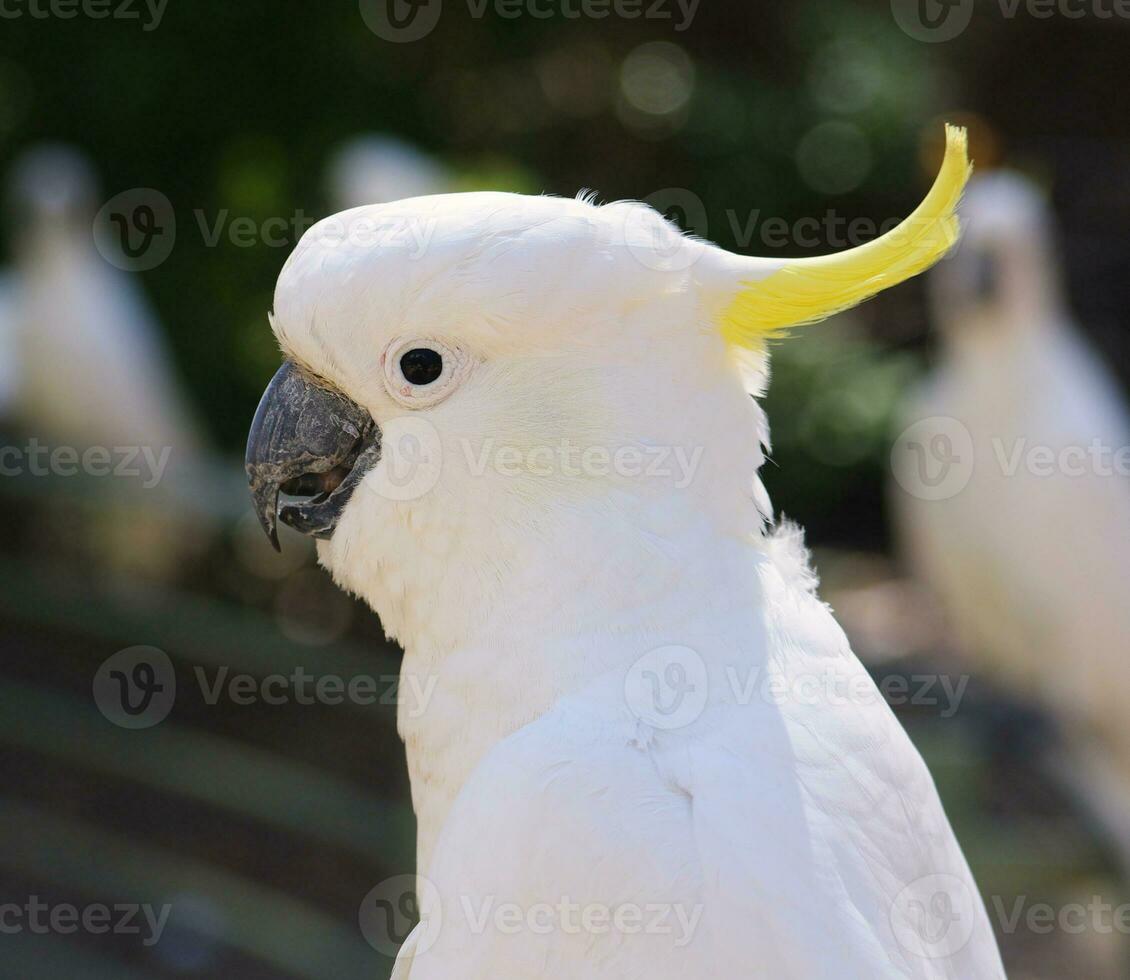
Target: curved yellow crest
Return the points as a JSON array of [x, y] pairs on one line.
[[802, 291]]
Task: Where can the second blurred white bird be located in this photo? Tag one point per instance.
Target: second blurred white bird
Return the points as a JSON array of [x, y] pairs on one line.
[[376, 169], [88, 365], [1032, 556]]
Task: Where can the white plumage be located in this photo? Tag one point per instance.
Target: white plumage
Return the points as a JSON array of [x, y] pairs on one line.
[[1032, 556], [787, 835]]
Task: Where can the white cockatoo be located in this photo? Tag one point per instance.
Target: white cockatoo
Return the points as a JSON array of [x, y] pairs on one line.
[[376, 168], [1016, 505], [89, 366], [521, 428]]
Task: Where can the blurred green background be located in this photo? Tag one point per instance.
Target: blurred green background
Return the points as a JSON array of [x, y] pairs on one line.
[[265, 826]]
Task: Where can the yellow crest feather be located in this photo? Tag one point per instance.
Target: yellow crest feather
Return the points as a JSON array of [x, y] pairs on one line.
[[808, 290]]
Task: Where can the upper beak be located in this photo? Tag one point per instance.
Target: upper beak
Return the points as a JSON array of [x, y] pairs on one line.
[[310, 441]]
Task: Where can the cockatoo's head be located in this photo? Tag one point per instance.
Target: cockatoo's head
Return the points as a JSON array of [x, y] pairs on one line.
[[1003, 278], [478, 384]]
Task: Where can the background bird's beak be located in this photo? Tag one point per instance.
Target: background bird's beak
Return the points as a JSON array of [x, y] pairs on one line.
[[311, 442]]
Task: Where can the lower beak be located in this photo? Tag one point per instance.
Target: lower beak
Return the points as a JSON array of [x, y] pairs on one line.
[[307, 441]]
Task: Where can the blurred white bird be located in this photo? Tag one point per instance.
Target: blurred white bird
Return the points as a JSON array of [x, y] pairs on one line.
[[647, 750], [376, 168], [9, 367], [1031, 557], [89, 365]]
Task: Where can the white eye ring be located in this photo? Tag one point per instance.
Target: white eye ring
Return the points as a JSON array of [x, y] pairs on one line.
[[456, 363]]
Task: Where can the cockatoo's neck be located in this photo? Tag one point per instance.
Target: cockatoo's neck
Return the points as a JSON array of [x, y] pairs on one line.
[[596, 597], [526, 572]]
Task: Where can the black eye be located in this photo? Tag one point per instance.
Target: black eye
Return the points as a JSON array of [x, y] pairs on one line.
[[421, 365]]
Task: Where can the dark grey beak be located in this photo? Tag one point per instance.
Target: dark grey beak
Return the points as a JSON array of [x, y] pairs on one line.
[[307, 441]]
